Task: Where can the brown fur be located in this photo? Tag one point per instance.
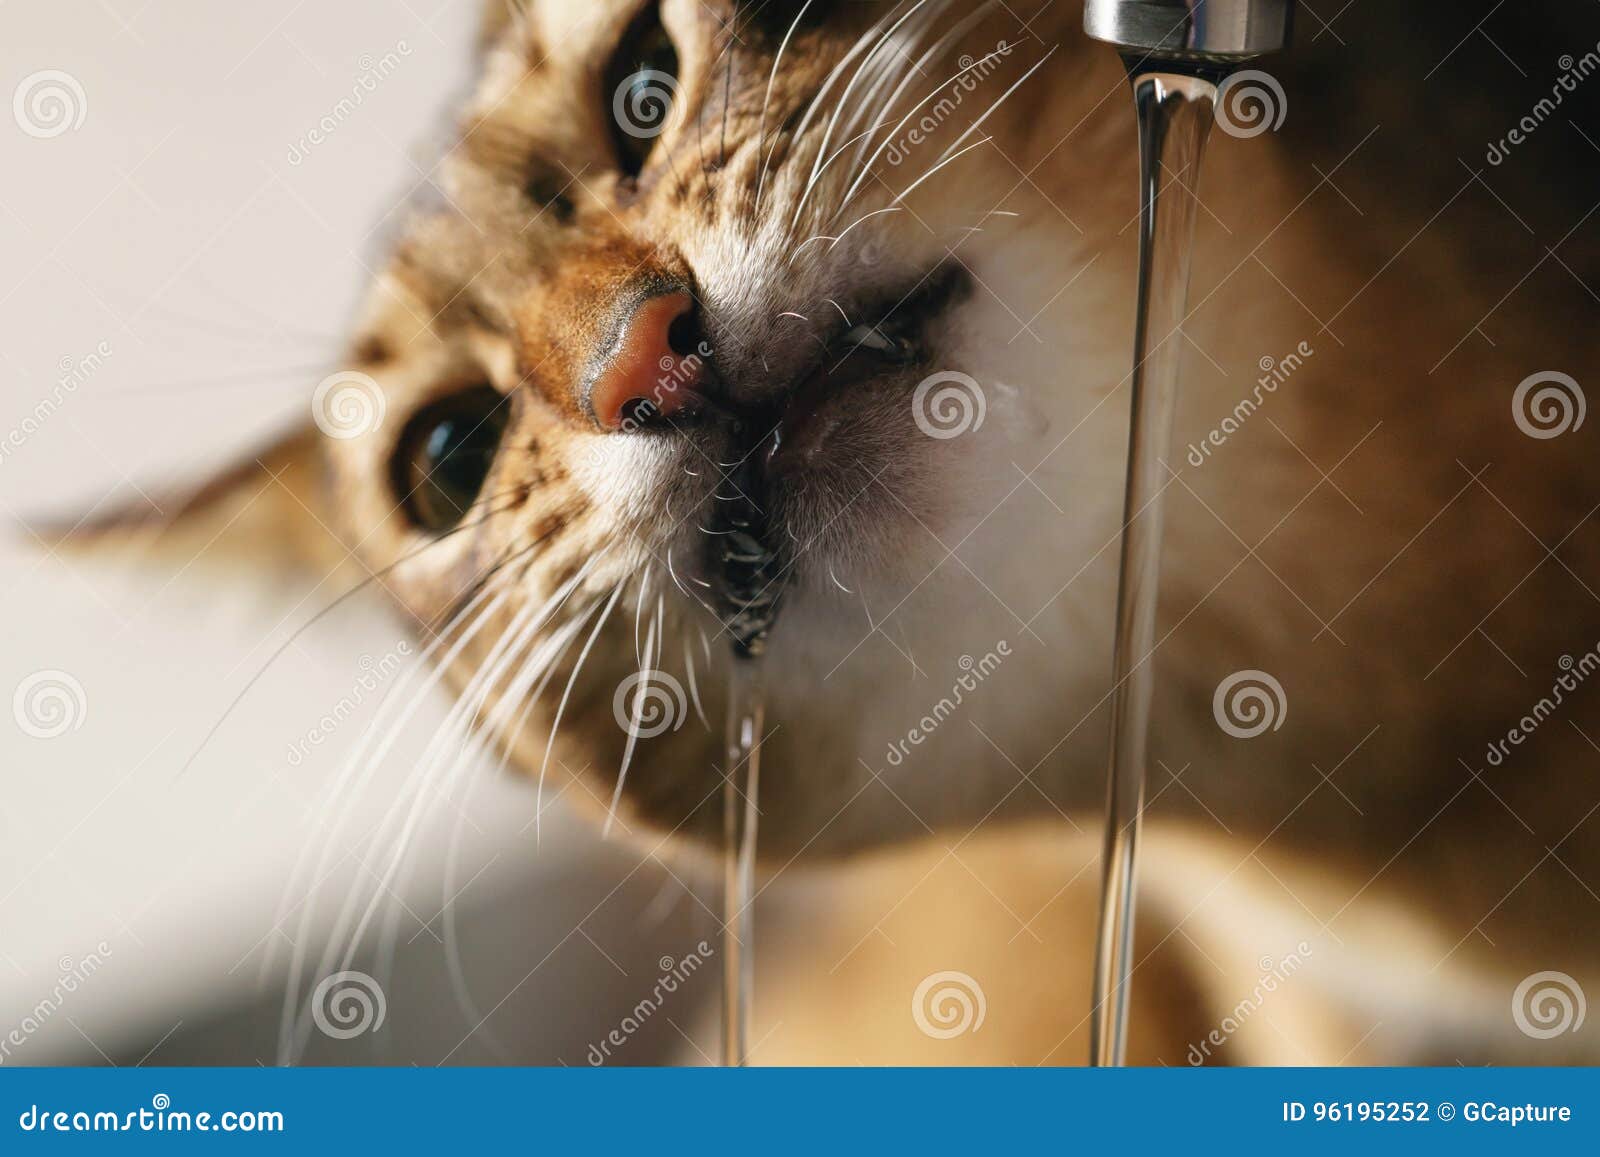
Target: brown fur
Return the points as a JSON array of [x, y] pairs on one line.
[[1381, 537]]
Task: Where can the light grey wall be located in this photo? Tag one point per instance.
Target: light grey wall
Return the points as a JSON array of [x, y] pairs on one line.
[[178, 230]]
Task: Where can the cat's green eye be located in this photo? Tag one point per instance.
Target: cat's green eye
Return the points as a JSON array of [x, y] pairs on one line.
[[445, 454], [641, 86]]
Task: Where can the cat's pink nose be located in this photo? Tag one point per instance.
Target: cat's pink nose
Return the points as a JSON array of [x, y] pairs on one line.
[[651, 372]]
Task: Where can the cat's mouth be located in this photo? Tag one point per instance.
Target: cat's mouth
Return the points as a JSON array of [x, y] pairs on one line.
[[856, 363], [800, 464]]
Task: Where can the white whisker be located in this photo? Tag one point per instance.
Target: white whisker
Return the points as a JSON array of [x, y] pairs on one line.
[[917, 68], [638, 612], [838, 106], [351, 772], [677, 582], [561, 707], [886, 60], [694, 687], [909, 189], [777, 59], [461, 734], [802, 245], [640, 702], [432, 777], [888, 140], [977, 124], [818, 164], [455, 732]]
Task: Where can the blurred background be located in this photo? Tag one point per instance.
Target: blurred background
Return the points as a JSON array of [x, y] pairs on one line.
[[180, 258]]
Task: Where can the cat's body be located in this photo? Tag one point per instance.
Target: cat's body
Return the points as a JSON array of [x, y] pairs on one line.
[[1375, 531]]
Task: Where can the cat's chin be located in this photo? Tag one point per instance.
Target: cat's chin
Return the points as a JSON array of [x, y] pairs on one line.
[[848, 490], [867, 501], [856, 463]]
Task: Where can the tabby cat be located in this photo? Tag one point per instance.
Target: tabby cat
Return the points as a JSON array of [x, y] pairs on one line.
[[804, 328]]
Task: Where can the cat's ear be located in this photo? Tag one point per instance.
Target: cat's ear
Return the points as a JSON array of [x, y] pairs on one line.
[[267, 511], [496, 18]]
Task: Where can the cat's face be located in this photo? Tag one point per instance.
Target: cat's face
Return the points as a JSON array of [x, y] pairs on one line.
[[693, 333]]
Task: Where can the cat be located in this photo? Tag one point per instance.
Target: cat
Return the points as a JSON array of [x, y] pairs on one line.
[[804, 329]]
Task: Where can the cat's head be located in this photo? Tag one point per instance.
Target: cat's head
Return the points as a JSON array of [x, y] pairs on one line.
[[692, 337], [668, 258]]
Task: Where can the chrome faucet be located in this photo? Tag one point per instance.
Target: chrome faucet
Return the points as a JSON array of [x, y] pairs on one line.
[[1203, 32]]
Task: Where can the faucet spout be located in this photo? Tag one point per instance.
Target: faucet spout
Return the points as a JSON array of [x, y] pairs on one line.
[[1214, 33]]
